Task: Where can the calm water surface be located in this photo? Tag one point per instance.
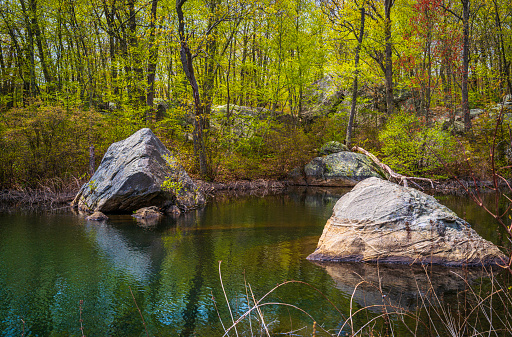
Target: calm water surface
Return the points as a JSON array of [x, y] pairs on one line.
[[49, 263]]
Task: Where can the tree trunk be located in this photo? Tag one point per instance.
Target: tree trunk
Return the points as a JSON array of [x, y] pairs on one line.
[[428, 91], [39, 42], [152, 62], [465, 65], [348, 139], [388, 4], [186, 61], [505, 64], [138, 97], [30, 51], [109, 16], [210, 64], [3, 84]]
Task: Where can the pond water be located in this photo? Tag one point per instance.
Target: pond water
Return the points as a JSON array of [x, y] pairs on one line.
[[61, 275]]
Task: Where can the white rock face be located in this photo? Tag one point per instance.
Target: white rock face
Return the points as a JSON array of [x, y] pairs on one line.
[[385, 222], [130, 177]]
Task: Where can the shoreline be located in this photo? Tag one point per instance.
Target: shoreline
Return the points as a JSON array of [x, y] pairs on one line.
[[38, 199]]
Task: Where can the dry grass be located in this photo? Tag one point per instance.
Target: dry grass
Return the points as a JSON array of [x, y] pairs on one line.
[[479, 311], [50, 194]]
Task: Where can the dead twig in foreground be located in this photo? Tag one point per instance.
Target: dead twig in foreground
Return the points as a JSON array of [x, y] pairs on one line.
[[399, 177]]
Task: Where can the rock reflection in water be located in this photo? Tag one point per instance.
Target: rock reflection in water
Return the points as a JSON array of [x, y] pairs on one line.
[[134, 258], [399, 287]]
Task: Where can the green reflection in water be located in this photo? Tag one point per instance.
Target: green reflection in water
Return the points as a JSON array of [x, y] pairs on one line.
[[48, 263]]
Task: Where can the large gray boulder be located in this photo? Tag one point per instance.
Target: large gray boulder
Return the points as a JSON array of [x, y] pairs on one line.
[[340, 169], [130, 177], [385, 222]]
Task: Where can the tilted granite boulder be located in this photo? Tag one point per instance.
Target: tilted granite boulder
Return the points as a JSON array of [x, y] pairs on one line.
[[340, 169], [385, 222], [322, 98], [130, 177]]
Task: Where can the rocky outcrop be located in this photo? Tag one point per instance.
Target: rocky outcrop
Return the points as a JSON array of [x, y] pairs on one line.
[[332, 147], [242, 121], [131, 174], [382, 221], [339, 169], [322, 98]]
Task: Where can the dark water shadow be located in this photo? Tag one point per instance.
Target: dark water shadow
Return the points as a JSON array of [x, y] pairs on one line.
[[395, 288]]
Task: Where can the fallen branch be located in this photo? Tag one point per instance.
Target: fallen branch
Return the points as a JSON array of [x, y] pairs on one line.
[[399, 177]]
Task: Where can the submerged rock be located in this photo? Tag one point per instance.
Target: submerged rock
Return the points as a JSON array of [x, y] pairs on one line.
[[151, 212], [97, 216], [173, 210], [130, 177], [380, 221], [148, 216], [340, 169]]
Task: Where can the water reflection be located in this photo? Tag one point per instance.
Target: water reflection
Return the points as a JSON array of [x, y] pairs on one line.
[[126, 255], [399, 287], [49, 263]]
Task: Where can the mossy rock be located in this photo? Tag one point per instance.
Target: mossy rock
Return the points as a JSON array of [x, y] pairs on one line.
[[341, 169], [332, 147]]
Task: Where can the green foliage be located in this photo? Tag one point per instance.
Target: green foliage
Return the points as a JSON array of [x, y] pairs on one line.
[[173, 183], [266, 149], [476, 148], [330, 128], [40, 142], [412, 148], [121, 61]]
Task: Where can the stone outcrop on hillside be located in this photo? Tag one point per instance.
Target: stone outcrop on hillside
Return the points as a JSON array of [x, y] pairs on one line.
[[337, 169], [323, 97], [385, 222], [131, 174], [332, 147]]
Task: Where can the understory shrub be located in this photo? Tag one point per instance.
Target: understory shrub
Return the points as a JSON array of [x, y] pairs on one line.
[[44, 142], [412, 148], [270, 152], [478, 144]]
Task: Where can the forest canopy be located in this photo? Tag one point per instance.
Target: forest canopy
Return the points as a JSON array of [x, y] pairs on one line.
[[250, 89]]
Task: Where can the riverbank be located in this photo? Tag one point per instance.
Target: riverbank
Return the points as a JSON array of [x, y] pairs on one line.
[[52, 197], [42, 198]]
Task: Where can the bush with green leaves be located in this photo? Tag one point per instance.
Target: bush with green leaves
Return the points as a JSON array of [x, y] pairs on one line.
[[43, 142], [412, 148]]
